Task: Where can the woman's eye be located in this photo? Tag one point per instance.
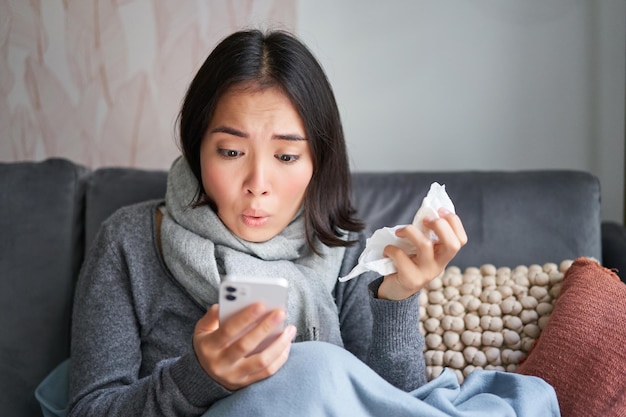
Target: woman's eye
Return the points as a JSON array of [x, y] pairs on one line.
[[229, 153], [287, 158]]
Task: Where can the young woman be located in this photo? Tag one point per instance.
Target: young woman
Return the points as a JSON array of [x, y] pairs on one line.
[[261, 189]]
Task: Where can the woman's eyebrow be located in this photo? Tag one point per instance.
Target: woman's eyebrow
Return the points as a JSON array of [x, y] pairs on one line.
[[229, 131], [289, 137], [239, 133]]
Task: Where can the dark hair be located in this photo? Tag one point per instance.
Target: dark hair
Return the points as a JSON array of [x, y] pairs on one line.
[[279, 60]]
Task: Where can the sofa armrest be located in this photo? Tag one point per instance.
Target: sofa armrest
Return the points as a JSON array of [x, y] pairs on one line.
[[41, 249], [614, 247]]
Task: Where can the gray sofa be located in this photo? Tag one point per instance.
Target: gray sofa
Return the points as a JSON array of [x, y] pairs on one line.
[[50, 211]]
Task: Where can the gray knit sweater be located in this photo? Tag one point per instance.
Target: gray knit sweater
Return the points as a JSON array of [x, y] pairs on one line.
[[133, 324]]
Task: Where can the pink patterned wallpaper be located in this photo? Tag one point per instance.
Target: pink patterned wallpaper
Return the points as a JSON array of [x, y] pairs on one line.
[[100, 82]]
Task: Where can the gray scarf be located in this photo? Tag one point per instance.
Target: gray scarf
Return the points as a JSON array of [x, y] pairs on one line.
[[199, 249]]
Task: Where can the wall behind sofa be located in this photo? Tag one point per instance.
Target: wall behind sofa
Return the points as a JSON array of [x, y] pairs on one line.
[[478, 84], [101, 82], [428, 84]]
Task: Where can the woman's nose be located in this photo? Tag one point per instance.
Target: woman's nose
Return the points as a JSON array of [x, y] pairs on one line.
[[257, 180]]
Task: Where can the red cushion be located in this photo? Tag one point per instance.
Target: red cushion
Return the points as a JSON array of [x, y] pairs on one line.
[[582, 350]]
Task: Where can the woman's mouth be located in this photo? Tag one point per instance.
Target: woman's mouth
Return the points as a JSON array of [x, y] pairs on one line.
[[254, 218]]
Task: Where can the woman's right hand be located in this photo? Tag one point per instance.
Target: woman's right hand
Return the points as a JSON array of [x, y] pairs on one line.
[[225, 354]]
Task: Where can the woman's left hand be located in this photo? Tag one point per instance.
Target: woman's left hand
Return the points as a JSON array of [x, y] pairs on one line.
[[415, 271]]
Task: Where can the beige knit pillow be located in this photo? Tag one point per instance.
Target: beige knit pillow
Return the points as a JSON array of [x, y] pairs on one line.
[[487, 317]]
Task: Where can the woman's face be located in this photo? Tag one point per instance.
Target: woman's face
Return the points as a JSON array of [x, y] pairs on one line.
[[256, 162]]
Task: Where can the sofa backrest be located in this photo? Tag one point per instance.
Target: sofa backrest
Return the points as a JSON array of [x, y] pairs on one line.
[[511, 218], [108, 189]]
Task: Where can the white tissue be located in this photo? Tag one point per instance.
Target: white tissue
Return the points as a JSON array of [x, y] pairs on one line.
[[372, 258]]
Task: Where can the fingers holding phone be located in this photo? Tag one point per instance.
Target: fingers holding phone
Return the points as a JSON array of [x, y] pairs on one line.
[[237, 293], [247, 340]]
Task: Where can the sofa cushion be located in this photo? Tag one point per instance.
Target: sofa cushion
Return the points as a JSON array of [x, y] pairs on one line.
[[41, 249], [542, 216], [581, 352]]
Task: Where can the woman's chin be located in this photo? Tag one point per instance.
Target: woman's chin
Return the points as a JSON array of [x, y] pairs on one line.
[[255, 234]]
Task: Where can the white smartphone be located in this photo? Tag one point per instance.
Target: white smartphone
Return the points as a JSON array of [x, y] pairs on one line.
[[237, 292]]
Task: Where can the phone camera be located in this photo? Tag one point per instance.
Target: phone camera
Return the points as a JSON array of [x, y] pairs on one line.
[[231, 297]]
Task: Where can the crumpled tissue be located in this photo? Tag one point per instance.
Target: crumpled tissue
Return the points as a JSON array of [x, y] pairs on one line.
[[372, 258]]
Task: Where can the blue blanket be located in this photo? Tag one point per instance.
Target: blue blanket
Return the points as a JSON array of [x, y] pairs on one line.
[[320, 379]]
